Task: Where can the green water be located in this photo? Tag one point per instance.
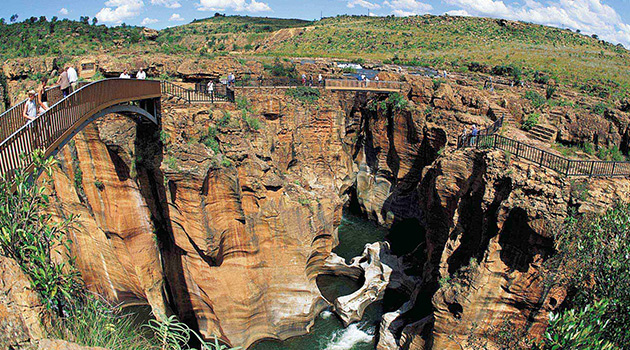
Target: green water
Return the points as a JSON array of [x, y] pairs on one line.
[[328, 332]]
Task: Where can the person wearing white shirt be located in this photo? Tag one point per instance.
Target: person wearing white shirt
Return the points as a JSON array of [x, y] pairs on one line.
[[210, 88], [125, 75], [141, 74], [73, 78]]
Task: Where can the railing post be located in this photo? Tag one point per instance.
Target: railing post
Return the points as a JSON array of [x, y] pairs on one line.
[[613, 169], [495, 141], [592, 168], [568, 166]]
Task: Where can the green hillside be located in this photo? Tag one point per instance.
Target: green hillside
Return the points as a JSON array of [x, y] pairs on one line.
[[524, 51]]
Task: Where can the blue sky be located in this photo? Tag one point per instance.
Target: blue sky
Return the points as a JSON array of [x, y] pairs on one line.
[[607, 18]]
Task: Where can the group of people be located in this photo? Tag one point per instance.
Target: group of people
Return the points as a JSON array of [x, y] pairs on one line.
[[365, 80], [309, 80], [472, 136], [141, 75], [37, 102]]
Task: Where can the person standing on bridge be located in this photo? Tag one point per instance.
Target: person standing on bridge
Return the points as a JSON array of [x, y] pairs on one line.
[[73, 77], [42, 94], [304, 79], [210, 88], [64, 83], [30, 107], [125, 75], [141, 75], [320, 79]]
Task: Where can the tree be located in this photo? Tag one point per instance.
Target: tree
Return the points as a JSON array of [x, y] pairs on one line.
[[53, 22], [42, 19], [14, 18], [84, 19], [94, 21], [593, 255], [2, 21]]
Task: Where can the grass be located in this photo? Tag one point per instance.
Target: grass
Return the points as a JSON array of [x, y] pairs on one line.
[[520, 51]]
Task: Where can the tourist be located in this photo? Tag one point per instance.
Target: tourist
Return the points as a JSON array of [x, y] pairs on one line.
[[320, 79], [125, 75], [231, 79], [210, 88], [474, 134], [42, 95], [376, 78], [64, 83], [30, 107], [310, 80], [303, 79], [141, 75], [445, 74], [73, 78]]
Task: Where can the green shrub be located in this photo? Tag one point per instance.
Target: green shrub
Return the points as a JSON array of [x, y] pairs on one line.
[[593, 255], [582, 328], [550, 91], [535, 98], [611, 153], [397, 101], [304, 93], [530, 122], [210, 139], [588, 148], [241, 102], [30, 237], [252, 122]]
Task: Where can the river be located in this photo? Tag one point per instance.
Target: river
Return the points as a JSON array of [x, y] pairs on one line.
[[328, 332]]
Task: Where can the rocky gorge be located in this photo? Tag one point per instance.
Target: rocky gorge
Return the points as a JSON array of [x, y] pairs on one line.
[[227, 214]]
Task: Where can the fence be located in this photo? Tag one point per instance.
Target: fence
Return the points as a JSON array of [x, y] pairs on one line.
[[562, 165], [11, 120], [53, 126], [192, 96], [372, 85]]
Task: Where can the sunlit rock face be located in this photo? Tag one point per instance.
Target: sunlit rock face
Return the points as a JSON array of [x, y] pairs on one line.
[[229, 229]]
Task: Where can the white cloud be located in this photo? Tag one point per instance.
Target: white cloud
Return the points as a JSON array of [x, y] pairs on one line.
[[63, 11], [462, 13], [408, 7], [236, 5], [176, 18], [148, 21], [589, 16], [364, 4], [171, 4], [119, 10]]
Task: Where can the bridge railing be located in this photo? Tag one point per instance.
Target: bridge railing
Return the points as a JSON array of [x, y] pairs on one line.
[[351, 84], [562, 165], [190, 95], [50, 128], [12, 119]]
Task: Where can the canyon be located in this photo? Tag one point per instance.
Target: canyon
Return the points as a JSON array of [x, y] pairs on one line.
[[228, 225]]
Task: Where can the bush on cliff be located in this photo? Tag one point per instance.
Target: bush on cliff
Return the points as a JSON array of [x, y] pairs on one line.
[[304, 94], [593, 258]]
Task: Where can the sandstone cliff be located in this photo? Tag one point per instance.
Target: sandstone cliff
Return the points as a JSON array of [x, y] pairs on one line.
[[228, 224]]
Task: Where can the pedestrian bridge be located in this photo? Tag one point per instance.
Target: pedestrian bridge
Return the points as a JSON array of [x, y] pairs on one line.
[[139, 99], [364, 86]]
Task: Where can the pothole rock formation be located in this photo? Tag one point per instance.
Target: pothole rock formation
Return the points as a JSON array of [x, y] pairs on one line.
[[379, 269]]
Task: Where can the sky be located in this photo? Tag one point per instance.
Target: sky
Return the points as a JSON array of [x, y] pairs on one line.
[[607, 18]]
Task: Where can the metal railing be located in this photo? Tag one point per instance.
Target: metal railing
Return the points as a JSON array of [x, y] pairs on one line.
[[12, 119], [562, 165], [52, 127], [357, 85], [190, 95]]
